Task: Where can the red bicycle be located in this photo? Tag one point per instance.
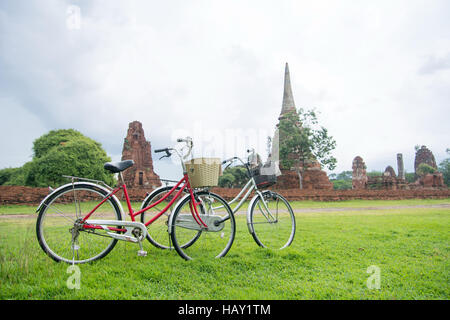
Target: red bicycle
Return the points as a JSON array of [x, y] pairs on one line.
[[201, 224]]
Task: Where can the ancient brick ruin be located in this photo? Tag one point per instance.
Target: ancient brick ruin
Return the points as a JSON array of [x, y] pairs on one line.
[[390, 181], [359, 177], [10, 195], [424, 155], [138, 149], [400, 166], [313, 177], [430, 180]]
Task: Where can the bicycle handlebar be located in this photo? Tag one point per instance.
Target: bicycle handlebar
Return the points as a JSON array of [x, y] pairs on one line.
[[189, 145], [161, 150]]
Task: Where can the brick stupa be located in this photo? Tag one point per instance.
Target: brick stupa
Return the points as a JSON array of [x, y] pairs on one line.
[[138, 149], [313, 175]]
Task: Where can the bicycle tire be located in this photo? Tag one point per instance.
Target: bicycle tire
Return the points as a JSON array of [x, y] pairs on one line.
[[266, 231], [224, 233], [57, 201]]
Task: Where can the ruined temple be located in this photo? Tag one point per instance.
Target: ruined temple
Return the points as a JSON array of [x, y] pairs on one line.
[[138, 149], [424, 155], [389, 180], [359, 176], [430, 180], [313, 176], [400, 166]]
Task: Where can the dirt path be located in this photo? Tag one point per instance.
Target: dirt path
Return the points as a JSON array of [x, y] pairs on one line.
[[298, 210]]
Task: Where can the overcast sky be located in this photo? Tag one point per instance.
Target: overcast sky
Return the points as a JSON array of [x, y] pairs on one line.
[[377, 71]]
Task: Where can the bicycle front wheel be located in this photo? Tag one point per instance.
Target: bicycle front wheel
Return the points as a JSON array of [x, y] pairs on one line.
[[157, 231], [59, 226], [213, 241], [271, 221]]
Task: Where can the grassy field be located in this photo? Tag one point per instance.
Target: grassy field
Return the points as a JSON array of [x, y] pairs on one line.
[[309, 204], [328, 259]]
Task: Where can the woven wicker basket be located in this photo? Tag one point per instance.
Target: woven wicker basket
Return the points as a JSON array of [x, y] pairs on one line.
[[204, 172]]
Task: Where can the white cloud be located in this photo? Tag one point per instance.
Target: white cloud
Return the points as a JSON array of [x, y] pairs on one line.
[[377, 72]]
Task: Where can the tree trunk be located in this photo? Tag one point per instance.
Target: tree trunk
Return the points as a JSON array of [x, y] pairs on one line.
[[300, 178]]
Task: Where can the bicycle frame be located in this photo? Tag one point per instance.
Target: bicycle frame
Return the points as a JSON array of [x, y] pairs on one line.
[[132, 214], [251, 185]]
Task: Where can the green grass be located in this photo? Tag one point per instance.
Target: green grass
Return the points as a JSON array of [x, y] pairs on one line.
[[31, 209], [327, 260], [366, 203]]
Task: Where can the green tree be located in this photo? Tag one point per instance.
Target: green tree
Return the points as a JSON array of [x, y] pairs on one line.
[[234, 177], [301, 136], [341, 181], [374, 173], [410, 177], [342, 184], [226, 180], [58, 153], [444, 167], [14, 176]]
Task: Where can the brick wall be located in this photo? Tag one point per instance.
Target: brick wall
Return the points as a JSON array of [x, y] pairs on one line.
[[339, 195], [33, 196]]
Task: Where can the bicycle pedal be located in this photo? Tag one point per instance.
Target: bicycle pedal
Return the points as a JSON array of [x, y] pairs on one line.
[[142, 253]]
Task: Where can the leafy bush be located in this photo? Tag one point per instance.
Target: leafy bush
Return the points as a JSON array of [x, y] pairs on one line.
[[444, 167], [58, 153], [424, 169]]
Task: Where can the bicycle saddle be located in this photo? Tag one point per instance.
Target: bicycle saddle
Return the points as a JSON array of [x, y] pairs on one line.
[[118, 166]]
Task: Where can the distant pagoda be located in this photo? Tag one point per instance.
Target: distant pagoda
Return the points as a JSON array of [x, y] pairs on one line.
[[138, 149], [313, 176]]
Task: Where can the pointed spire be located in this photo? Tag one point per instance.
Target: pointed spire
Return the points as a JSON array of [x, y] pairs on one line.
[[288, 98]]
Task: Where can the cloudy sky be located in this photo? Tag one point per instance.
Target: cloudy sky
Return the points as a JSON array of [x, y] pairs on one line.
[[377, 71]]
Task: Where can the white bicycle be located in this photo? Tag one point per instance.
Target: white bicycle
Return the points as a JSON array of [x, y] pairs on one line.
[[270, 218]]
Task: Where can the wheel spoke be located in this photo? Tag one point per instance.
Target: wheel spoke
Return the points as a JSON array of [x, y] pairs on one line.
[[65, 239], [277, 233], [211, 242]]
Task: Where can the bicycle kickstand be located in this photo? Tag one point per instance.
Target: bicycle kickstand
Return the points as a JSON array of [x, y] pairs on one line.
[[141, 252]]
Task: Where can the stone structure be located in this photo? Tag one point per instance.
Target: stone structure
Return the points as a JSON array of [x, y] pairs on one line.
[[430, 180], [138, 149], [10, 195], [359, 176], [423, 155], [400, 167], [313, 177], [389, 180]]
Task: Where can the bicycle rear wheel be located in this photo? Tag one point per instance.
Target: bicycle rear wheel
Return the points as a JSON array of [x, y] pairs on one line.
[[272, 227], [59, 227], [212, 242]]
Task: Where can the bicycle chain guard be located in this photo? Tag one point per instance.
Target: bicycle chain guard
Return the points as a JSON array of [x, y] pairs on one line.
[[130, 235], [187, 221]]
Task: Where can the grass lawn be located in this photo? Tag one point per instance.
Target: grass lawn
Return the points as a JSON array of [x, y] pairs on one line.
[[328, 259], [31, 209]]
